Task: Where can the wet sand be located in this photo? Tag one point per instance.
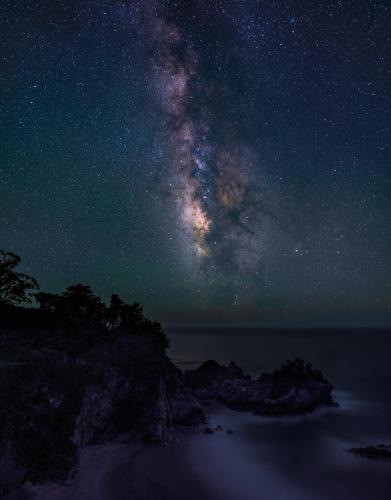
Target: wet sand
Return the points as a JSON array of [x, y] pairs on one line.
[[131, 472], [193, 466], [286, 458]]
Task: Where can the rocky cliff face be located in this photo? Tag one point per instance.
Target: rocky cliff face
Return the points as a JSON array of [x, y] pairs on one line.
[[53, 403], [97, 409]]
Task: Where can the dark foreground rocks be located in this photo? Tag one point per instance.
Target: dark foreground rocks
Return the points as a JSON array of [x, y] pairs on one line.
[[381, 451], [52, 403], [60, 392], [294, 389]]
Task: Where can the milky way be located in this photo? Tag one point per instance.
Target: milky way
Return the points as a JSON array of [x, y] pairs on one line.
[[209, 159], [220, 206]]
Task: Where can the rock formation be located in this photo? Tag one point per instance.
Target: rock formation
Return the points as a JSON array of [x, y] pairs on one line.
[[381, 451], [57, 397], [53, 403], [294, 389]]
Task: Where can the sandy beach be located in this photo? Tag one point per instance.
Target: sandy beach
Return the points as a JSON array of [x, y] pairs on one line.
[[223, 465], [131, 472], [192, 466]]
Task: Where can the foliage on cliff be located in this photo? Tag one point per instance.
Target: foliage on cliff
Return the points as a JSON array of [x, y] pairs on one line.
[[71, 369]]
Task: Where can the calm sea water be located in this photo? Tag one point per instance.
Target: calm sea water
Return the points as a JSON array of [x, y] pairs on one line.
[[297, 457]]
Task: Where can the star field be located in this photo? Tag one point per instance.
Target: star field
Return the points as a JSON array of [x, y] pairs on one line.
[[224, 161]]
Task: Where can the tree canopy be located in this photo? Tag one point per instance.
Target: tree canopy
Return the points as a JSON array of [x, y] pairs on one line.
[[77, 308], [15, 287]]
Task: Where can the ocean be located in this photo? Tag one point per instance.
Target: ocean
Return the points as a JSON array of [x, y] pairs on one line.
[[304, 457]]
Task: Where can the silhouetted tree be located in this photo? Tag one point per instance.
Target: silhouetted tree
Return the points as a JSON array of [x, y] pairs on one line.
[[15, 288], [154, 330], [80, 306], [114, 312], [48, 301], [77, 306], [130, 319], [131, 316]]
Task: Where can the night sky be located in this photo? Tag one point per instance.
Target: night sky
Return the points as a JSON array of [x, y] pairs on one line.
[[217, 161]]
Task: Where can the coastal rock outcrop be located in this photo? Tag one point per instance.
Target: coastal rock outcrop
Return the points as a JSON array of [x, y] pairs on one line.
[[380, 451], [62, 389], [293, 389], [185, 408], [11, 473], [98, 407], [53, 403], [159, 414]]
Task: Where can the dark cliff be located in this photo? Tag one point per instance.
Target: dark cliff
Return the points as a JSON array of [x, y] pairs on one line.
[[62, 388]]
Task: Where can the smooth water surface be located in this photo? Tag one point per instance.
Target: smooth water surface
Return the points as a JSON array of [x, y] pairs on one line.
[[298, 457]]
